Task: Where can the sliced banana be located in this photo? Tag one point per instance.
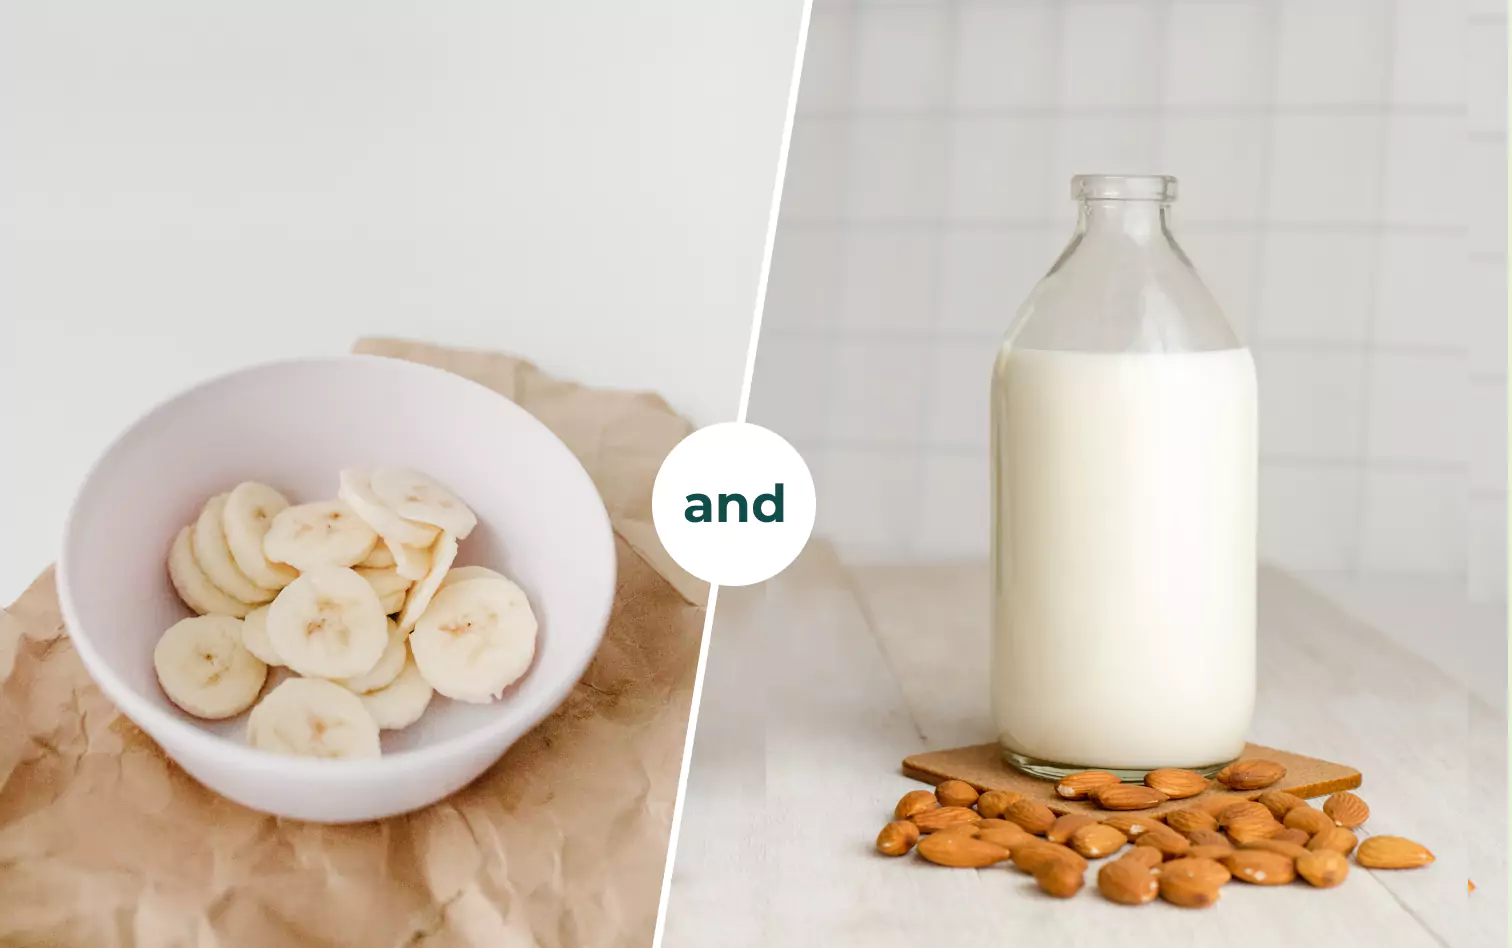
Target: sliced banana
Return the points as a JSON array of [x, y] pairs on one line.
[[357, 491], [390, 663], [254, 632], [194, 587], [380, 558], [443, 554], [328, 623], [459, 574], [204, 668], [475, 639], [401, 703], [411, 562], [250, 509], [389, 586], [309, 717], [315, 536], [213, 555], [417, 496]]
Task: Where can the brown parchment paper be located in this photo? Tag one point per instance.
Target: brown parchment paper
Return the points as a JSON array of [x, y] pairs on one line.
[[106, 842]]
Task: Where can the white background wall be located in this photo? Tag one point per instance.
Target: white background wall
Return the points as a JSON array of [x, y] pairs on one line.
[[1343, 171], [187, 188]]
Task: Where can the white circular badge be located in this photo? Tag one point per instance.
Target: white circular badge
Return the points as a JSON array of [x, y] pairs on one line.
[[733, 504]]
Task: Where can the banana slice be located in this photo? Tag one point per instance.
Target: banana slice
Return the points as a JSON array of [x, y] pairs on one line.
[[213, 555], [254, 633], [204, 668], [390, 663], [411, 562], [328, 623], [389, 586], [357, 491], [443, 554], [315, 536], [380, 558], [417, 496], [250, 509], [460, 574], [194, 587], [309, 717], [476, 638], [403, 701]]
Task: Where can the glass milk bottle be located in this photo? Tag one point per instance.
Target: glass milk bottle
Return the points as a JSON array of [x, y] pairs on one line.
[[1123, 469]]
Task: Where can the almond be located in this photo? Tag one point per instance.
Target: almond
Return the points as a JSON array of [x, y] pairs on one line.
[[1210, 838], [1147, 856], [1030, 858], [915, 801], [1176, 784], [1216, 803], [1252, 773], [932, 821], [1060, 831], [1249, 828], [1259, 867], [1210, 850], [956, 793], [1012, 836], [1128, 796], [1392, 852], [1188, 822], [1133, 826], [897, 838], [1059, 879], [1289, 850], [1324, 869], [1208, 871], [965, 829], [1336, 838], [960, 851], [1291, 835], [1126, 882], [995, 824], [1346, 809], [1079, 786], [1168, 842], [1279, 802], [992, 803], [1096, 840], [1032, 815], [1243, 809], [1308, 820], [1187, 891]]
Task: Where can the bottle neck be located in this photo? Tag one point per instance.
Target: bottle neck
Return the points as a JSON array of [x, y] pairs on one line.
[[1138, 221]]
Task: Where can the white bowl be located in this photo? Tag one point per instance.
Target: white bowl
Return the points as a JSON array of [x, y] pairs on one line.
[[294, 425]]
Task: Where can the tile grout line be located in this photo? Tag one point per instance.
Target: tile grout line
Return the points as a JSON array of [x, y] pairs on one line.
[[1372, 298], [1200, 225], [945, 90], [819, 461], [1156, 109]]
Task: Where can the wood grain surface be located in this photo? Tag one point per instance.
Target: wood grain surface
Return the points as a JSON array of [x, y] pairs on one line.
[[982, 766], [821, 680]]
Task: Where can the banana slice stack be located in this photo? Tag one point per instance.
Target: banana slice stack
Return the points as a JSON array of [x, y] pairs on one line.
[[359, 596]]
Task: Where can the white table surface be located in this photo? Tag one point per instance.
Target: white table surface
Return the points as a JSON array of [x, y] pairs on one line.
[[821, 681]]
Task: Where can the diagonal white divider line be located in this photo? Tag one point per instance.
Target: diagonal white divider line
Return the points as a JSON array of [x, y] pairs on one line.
[[745, 402]]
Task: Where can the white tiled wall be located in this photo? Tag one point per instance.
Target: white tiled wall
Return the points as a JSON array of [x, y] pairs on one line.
[[1343, 168]]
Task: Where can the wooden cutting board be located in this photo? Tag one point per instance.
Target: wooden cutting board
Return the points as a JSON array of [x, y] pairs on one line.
[[982, 766]]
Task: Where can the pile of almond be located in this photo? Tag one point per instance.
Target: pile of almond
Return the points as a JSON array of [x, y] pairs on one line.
[[1185, 856]]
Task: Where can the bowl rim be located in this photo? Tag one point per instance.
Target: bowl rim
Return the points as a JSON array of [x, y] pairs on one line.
[[151, 718]]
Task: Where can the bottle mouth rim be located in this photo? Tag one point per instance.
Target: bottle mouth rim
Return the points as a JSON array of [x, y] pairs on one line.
[[1124, 187]]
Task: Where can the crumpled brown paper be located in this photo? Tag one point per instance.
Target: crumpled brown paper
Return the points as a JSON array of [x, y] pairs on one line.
[[105, 842]]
